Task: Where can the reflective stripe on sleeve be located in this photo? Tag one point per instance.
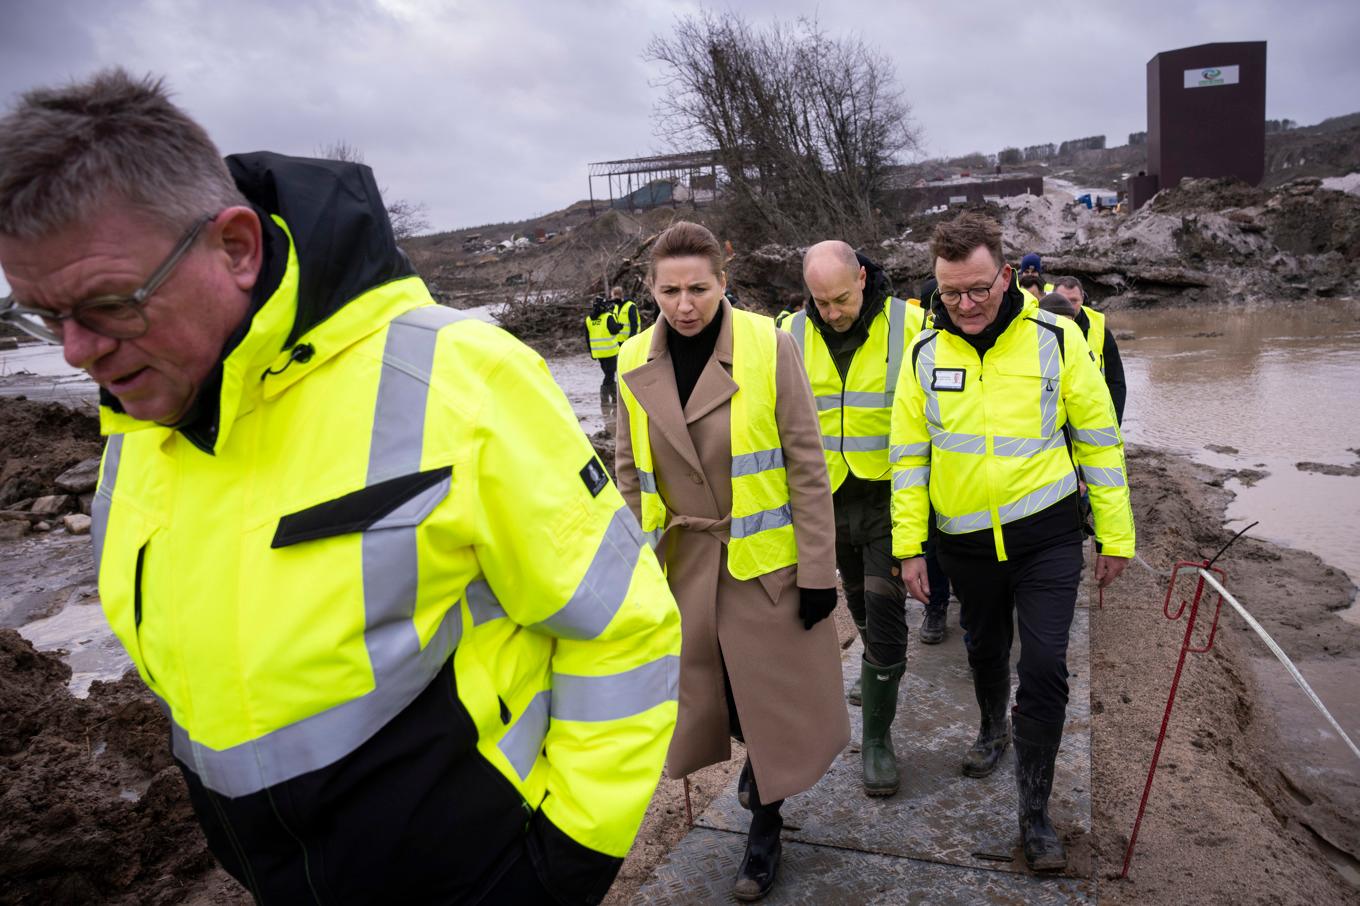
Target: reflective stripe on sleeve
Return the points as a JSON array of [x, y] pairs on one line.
[[524, 739], [1098, 437], [617, 695], [1101, 477], [901, 451], [483, 603], [604, 586], [915, 477]]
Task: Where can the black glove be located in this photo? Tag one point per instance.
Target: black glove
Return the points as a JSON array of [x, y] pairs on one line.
[[815, 605]]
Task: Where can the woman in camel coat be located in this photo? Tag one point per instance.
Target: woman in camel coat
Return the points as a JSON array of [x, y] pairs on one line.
[[783, 689]]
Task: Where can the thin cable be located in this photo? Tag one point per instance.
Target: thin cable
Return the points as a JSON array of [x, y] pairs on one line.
[[1230, 543], [1279, 653]]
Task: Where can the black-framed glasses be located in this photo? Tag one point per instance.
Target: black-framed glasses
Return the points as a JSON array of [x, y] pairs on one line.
[[977, 294], [119, 317]]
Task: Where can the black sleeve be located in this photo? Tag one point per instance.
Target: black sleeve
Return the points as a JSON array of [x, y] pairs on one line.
[[634, 321], [1114, 375]]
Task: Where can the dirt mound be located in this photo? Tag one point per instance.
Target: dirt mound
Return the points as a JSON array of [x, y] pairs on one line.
[[1198, 195], [94, 809], [38, 441]]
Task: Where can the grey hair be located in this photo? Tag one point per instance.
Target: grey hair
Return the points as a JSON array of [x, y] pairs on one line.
[[65, 151], [1059, 304]]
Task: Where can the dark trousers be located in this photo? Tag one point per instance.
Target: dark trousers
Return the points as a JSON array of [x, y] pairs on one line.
[[872, 579], [1040, 589], [608, 387]]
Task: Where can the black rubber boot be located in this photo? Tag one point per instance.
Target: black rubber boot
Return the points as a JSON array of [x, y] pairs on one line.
[[760, 865], [1036, 751], [855, 695], [880, 707], [933, 626], [994, 732]]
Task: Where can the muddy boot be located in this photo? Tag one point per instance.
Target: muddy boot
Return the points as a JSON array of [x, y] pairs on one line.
[[994, 699], [880, 707], [933, 626], [855, 695], [760, 865], [1036, 750]]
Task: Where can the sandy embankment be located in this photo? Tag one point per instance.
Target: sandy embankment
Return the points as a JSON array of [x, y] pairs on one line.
[[95, 811]]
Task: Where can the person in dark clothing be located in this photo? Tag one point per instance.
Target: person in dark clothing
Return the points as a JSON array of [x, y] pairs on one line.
[[981, 418], [602, 339], [1099, 338]]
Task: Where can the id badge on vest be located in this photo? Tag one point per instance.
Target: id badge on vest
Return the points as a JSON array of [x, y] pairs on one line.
[[947, 379]]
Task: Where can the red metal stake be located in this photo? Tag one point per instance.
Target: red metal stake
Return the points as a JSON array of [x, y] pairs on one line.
[[1186, 648]]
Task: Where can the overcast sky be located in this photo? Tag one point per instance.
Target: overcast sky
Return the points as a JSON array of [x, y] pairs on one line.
[[490, 111]]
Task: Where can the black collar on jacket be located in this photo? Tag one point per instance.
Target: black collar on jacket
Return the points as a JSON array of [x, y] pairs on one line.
[[877, 288], [1011, 305]]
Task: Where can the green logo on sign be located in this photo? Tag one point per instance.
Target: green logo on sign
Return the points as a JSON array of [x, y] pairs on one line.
[[1211, 74]]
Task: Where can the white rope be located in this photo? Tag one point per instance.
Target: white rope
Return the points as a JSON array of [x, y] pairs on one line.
[[1279, 653]]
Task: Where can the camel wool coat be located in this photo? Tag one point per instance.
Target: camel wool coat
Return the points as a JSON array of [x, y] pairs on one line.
[[786, 680]]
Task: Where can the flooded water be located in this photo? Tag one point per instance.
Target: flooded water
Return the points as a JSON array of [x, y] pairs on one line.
[[1269, 389]]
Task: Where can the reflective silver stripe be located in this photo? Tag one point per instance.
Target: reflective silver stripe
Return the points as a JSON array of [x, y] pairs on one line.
[[867, 399], [646, 481], [900, 451], [103, 498], [401, 667], [483, 603], [799, 330], [603, 588], [1098, 476], [827, 403], [653, 537], [618, 695], [957, 525], [764, 521], [862, 444], [925, 366], [759, 461], [604, 344], [524, 739], [1025, 446], [1098, 437], [954, 442], [1035, 501], [897, 328], [1031, 503], [915, 477], [1050, 366]]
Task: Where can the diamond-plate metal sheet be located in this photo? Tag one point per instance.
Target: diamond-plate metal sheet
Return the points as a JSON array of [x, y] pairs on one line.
[[702, 867], [939, 815]]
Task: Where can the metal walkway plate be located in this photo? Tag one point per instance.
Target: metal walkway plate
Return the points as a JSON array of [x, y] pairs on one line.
[[943, 838]]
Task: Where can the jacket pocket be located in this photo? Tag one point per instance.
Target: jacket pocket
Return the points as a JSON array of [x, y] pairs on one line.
[[395, 503]]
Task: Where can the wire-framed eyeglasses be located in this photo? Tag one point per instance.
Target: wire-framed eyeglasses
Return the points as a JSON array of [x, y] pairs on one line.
[[116, 316]]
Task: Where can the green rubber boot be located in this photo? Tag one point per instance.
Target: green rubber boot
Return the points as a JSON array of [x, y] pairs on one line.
[[855, 695], [880, 707]]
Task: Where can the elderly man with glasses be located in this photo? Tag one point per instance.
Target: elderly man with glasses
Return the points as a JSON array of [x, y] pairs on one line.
[[978, 431], [411, 644]]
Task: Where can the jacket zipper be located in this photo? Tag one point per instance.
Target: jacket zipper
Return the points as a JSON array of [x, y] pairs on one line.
[[137, 610]]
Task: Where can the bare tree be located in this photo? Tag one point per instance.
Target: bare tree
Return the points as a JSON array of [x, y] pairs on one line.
[[408, 218], [806, 125]]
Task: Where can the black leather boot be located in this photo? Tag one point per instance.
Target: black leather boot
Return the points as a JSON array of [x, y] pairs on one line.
[[744, 785], [1036, 751], [994, 699], [760, 865], [933, 626]]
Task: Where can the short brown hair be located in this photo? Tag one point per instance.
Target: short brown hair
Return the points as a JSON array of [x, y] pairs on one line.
[[957, 239], [66, 150], [682, 240], [1069, 283]]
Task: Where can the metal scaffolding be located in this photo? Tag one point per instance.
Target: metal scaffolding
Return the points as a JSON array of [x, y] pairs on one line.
[[637, 173]]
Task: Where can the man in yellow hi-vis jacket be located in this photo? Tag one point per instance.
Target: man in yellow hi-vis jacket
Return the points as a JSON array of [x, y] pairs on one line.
[[981, 421], [410, 641]]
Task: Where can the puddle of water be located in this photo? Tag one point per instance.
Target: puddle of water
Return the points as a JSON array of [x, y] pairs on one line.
[[92, 650], [579, 377], [1281, 386]]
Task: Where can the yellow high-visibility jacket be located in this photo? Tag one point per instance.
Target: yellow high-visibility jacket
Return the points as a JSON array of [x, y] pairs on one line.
[[763, 538], [1095, 337], [983, 441], [626, 313], [604, 343], [855, 412], [399, 598]]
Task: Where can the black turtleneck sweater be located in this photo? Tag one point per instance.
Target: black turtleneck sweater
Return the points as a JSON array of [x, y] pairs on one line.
[[689, 355]]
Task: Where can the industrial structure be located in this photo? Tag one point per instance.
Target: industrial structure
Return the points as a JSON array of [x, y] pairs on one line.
[[647, 182]]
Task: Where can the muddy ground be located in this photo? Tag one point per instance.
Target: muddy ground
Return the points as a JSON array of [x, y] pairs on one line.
[[94, 810]]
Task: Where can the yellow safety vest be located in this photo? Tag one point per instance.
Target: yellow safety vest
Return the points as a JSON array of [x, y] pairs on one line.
[[603, 344], [983, 441], [762, 519], [782, 318], [855, 413], [420, 499], [621, 314], [1095, 337]]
